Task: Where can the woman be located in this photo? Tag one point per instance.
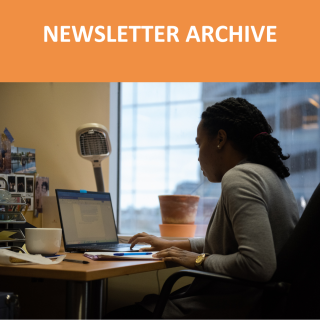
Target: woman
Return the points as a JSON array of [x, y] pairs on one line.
[[253, 219]]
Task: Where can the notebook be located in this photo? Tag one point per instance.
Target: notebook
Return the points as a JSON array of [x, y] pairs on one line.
[[87, 222], [110, 256]]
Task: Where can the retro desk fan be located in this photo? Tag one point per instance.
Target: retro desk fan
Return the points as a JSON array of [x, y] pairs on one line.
[[93, 144]]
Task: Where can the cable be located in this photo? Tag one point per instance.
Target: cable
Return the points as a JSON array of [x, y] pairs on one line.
[[158, 282]]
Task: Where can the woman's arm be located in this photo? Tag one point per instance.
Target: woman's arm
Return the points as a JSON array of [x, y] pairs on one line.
[[158, 243], [243, 206], [247, 212], [196, 245], [182, 244]]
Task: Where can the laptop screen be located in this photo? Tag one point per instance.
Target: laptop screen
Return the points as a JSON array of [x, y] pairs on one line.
[[86, 217]]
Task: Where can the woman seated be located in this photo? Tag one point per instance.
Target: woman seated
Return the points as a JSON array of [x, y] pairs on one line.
[[254, 217]]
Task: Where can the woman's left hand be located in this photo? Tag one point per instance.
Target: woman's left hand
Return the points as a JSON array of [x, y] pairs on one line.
[[183, 257]]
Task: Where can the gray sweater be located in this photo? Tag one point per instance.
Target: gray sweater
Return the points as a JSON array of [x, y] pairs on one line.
[[253, 219]]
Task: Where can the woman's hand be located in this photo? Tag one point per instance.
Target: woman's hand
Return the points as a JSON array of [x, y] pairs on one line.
[[183, 257], [156, 243]]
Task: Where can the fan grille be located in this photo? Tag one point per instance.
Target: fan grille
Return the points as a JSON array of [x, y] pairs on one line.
[[93, 143]]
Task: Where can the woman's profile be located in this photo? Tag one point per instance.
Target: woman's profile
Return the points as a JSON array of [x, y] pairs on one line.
[[254, 217]]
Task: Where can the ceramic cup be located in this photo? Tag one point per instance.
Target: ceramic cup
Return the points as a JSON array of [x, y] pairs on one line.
[[43, 240]]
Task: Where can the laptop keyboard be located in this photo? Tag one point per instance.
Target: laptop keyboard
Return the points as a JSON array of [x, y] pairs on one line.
[[105, 246]]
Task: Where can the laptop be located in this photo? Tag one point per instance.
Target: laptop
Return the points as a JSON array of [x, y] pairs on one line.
[[87, 222]]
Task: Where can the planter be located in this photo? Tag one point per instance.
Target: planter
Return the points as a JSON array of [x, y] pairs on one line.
[[177, 230], [178, 209]]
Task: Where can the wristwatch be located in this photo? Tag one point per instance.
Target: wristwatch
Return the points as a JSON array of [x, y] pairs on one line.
[[200, 259]]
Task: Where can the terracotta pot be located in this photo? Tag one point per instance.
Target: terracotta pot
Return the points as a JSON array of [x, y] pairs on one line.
[[178, 209], [177, 230]]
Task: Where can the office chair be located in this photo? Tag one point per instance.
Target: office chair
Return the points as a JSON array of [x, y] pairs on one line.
[[294, 290]]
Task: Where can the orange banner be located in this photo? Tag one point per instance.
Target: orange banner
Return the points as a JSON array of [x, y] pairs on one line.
[[145, 40]]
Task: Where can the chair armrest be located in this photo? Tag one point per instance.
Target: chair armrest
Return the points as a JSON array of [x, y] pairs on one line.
[[167, 287]]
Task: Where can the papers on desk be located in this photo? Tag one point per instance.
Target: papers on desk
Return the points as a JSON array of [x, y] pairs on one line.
[[13, 258], [110, 256]]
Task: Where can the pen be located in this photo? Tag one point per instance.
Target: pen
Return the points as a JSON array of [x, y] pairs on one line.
[[132, 254], [76, 261]]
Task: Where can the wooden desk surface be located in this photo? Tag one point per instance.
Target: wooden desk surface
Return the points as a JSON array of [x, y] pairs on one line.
[[95, 270]]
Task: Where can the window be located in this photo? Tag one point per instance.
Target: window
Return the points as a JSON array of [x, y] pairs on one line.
[[158, 154]]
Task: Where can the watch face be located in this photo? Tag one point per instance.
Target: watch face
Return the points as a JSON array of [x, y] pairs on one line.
[[199, 259]]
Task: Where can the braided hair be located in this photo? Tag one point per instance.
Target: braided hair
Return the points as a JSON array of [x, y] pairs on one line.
[[243, 123]]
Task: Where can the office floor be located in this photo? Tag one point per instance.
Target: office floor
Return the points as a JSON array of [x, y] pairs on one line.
[[45, 298], [129, 289], [39, 298]]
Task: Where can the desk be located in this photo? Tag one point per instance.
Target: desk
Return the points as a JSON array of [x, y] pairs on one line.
[[84, 281]]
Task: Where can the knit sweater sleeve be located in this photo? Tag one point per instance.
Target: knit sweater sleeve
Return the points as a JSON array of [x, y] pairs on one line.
[[246, 209], [197, 244]]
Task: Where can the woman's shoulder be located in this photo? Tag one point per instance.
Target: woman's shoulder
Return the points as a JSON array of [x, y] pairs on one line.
[[249, 173], [249, 168]]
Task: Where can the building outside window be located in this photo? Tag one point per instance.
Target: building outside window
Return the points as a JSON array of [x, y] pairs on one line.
[[158, 154]]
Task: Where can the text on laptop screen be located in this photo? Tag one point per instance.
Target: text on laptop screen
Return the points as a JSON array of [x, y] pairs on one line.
[[87, 218]]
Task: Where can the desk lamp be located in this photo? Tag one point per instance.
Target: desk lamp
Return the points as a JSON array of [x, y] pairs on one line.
[[93, 144]]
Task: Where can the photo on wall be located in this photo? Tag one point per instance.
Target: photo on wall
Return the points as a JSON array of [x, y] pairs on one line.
[[23, 160], [12, 183], [29, 185], [41, 190], [29, 201], [3, 181], [5, 154], [21, 184]]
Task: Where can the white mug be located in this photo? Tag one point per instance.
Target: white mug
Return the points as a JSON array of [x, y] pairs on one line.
[[43, 240]]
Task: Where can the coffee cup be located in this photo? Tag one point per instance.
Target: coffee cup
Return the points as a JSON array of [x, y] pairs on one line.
[[43, 240]]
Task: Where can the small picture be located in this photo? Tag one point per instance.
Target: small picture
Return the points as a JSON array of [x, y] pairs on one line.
[[12, 183], [23, 160], [16, 198], [29, 201], [21, 185], [30, 185], [3, 181], [5, 154], [41, 190]]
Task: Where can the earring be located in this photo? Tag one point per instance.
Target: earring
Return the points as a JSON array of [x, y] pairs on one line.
[[219, 146]]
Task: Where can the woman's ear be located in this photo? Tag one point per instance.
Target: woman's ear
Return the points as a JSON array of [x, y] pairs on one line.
[[222, 138]]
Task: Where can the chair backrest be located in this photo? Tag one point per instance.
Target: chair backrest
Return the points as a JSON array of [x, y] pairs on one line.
[[304, 243]]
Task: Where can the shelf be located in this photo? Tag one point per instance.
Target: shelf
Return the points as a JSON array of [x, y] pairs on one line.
[[12, 235], [12, 217], [9, 212]]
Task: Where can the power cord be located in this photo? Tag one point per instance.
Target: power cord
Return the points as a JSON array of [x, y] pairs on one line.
[[158, 281]]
